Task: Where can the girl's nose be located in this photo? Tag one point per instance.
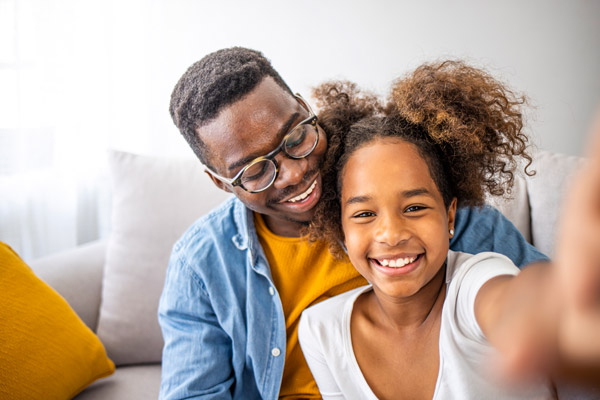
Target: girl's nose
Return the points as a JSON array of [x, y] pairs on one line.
[[291, 171], [391, 231]]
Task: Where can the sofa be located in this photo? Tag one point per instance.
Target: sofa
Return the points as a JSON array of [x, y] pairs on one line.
[[114, 285]]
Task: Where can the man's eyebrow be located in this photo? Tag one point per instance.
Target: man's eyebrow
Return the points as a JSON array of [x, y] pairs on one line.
[[406, 193], [285, 128]]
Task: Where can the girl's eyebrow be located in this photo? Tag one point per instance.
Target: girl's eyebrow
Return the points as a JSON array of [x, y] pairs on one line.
[[358, 199], [406, 193], [416, 192]]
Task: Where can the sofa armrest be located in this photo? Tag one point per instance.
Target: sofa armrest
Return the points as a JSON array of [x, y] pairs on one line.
[[77, 275]]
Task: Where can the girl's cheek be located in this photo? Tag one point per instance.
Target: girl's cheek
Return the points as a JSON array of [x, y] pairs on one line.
[[354, 243]]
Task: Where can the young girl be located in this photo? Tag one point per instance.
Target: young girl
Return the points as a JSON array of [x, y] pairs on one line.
[[426, 324]]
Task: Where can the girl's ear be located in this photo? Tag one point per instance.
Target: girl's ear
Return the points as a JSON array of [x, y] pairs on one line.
[[218, 183], [451, 216]]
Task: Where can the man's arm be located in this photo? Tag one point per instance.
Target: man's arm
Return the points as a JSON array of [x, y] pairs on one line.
[[486, 229], [197, 355]]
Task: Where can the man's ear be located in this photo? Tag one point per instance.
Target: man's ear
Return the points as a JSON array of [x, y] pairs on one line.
[[219, 183]]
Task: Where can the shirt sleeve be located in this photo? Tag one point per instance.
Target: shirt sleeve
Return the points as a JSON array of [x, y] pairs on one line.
[[312, 348], [196, 362], [469, 279], [480, 229]]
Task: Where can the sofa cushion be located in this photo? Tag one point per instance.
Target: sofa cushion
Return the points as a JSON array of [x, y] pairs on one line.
[[77, 275], [546, 193], [154, 201], [515, 206], [46, 351], [134, 382]]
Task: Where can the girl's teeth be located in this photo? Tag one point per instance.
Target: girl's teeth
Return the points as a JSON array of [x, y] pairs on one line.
[[400, 262]]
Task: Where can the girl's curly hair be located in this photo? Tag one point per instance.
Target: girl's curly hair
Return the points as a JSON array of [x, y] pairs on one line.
[[465, 124]]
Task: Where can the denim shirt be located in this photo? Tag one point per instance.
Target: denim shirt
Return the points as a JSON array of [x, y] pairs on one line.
[[221, 315]]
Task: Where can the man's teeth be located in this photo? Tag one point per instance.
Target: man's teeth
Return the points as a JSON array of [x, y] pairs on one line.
[[304, 195], [397, 263]]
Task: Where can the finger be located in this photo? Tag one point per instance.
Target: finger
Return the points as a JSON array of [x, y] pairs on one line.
[[592, 149], [578, 337], [578, 241]]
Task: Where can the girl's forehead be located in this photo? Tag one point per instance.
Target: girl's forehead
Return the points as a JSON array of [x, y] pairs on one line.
[[387, 164], [392, 153]]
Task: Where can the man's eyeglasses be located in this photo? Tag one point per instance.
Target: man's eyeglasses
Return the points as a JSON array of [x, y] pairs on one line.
[[260, 173]]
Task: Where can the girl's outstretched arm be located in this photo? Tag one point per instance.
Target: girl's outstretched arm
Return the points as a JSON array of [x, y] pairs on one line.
[[546, 320], [578, 260]]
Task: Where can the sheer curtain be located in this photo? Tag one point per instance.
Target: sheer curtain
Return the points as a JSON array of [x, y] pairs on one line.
[[78, 77], [54, 93], [64, 100]]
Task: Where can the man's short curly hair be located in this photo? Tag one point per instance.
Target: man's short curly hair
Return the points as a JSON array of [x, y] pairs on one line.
[[216, 81]]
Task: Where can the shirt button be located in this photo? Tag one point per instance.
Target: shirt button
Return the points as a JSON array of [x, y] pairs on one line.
[[271, 291], [276, 352]]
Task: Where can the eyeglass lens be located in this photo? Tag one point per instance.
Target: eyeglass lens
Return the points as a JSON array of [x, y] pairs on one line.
[[298, 144]]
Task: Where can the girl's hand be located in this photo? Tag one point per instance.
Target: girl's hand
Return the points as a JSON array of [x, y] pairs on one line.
[[577, 262], [552, 321]]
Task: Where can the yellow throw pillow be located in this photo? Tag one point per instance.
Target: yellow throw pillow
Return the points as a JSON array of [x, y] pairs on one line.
[[46, 351]]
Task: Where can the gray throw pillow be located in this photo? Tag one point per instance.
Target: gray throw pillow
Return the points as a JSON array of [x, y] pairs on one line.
[[154, 201]]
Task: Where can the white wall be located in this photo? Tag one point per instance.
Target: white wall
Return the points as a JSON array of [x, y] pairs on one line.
[[80, 76], [550, 50]]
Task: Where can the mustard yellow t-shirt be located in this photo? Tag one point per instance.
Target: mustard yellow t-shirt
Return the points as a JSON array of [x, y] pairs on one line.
[[304, 274]]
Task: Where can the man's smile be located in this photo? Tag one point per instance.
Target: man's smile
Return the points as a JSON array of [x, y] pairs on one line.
[[304, 195], [304, 201]]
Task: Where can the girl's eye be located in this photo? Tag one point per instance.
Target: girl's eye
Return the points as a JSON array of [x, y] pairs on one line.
[[414, 208], [364, 214]]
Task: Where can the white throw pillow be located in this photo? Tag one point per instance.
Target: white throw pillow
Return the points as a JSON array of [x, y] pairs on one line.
[[515, 206], [547, 189], [154, 201]]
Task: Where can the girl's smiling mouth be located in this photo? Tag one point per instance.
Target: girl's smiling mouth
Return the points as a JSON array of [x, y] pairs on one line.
[[397, 265]]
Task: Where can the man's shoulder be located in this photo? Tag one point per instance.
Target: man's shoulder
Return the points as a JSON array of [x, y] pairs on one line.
[[474, 214], [216, 229]]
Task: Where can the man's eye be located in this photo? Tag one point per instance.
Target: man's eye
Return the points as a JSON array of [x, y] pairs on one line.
[[255, 172], [296, 138]]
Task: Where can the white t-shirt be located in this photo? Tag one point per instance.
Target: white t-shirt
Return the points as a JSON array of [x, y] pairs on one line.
[[464, 372]]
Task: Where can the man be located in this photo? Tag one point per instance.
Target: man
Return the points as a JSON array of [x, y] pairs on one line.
[[239, 278]]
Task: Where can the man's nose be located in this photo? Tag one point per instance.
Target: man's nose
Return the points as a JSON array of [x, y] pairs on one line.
[[291, 171], [392, 230]]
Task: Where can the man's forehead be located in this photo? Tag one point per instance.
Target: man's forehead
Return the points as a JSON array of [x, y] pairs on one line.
[[248, 127]]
